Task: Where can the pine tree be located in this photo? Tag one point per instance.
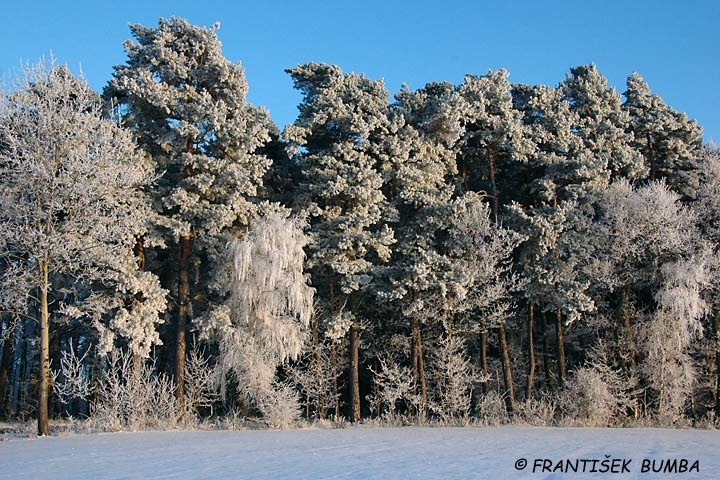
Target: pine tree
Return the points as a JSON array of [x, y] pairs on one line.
[[187, 104], [601, 123], [423, 165], [554, 213], [668, 140], [342, 120], [493, 135], [493, 132]]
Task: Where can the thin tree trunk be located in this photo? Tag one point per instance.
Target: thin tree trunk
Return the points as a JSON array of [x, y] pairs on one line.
[[95, 369], [354, 373], [43, 414], [546, 350], [651, 158], [318, 368], [183, 304], [76, 405], [18, 379], [336, 390], [140, 253], [419, 363], [378, 404], [531, 350], [627, 327], [560, 347], [55, 344], [507, 367], [6, 362], [507, 371], [484, 358]]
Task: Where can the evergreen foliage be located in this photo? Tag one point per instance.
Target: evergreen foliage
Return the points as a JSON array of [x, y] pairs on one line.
[[482, 252]]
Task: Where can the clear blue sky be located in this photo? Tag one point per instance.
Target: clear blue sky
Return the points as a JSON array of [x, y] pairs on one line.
[[673, 44]]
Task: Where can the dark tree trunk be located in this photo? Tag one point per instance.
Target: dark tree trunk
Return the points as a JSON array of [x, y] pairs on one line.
[[77, 404], [55, 347], [651, 158], [318, 368], [419, 363], [336, 390], [140, 253], [546, 350], [25, 354], [183, 306], [5, 363], [531, 350], [507, 371], [627, 328], [484, 358], [560, 347], [354, 373]]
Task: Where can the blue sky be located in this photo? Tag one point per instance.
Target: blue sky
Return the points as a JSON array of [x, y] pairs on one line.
[[672, 44]]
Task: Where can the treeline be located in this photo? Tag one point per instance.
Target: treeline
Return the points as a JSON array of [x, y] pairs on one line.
[[478, 251]]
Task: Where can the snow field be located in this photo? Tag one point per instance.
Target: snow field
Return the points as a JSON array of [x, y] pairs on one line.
[[360, 453]]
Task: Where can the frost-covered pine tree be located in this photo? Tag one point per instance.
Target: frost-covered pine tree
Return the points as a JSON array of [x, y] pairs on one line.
[[493, 137], [423, 165], [340, 129], [493, 132], [602, 123], [553, 214], [71, 203], [669, 141], [187, 104]]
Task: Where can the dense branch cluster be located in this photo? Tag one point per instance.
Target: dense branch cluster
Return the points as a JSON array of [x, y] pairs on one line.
[[485, 251]]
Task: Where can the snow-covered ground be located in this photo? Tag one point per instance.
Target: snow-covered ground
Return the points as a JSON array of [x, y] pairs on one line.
[[366, 453]]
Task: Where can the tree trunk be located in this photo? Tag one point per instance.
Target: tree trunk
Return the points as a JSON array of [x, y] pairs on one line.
[[18, 378], [560, 347], [43, 414], [318, 369], [484, 358], [140, 253], [183, 305], [546, 350], [507, 371], [531, 350], [651, 158], [336, 390], [419, 363], [627, 328], [55, 344], [6, 362], [354, 373]]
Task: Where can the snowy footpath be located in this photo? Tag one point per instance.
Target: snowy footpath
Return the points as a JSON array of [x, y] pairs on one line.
[[370, 453]]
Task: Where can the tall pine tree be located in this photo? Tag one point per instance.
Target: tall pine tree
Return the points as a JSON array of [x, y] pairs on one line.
[[187, 104], [342, 123]]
